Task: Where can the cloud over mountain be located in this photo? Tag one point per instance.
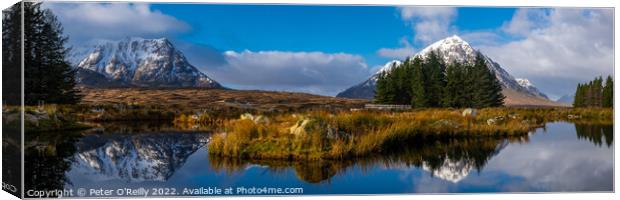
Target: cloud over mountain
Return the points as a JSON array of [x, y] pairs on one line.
[[315, 72], [429, 23], [84, 21], [559, 47]]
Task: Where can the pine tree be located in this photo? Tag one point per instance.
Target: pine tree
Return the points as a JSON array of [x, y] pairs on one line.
[[381, 89], [590, 94], [608, 93], [594, 93], [391, 92], [419, 98], [401, 83], [578, 101], [48, 76], [434, 79], [11, 55], [598, 89], [429, 83], [453, 91], [61, 82], [486, 89]]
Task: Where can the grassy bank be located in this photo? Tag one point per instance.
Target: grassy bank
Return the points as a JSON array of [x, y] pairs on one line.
[[341, 135], [42, 118]]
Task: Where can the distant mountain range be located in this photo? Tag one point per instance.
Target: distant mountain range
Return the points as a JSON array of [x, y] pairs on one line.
[[136, 62], [455, 49], [139, 62], [569, 99]]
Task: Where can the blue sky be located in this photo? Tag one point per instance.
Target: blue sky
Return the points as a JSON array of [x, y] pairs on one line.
[[326, 49], [358, 30]]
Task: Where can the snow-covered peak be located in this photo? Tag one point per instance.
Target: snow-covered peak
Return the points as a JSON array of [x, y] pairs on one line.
[[451, 49], [524, 82], [388, 66], [454, 49], [456, 169], [451, 170], [448, 42], [140, 62]]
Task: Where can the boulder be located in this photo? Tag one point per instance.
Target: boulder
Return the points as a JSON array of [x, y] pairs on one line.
[[469, 112]]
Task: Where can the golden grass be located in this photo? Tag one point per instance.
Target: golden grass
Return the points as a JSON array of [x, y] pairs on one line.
[[342, 135]]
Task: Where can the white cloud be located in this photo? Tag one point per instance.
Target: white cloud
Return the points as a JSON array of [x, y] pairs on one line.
[[427, 12], [396, 53], [429, 23], [114, 20], [525, 20], [481, 37], [584, 167], [400, 53], [571, 46], [314, 72]]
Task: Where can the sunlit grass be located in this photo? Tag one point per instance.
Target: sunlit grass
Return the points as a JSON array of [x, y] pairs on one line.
[[342, 135]]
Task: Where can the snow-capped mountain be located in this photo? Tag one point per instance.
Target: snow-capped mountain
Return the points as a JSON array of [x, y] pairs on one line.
[[137, 62], [451, 49], [387, 67], [451, 170], [524, 82], [366, 89], [530, 87], [455, 170], [134, 158]]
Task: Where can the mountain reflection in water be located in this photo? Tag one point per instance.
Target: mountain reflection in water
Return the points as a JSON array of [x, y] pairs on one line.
[[135, 158], [162, 157], [448, 159], [120, 157]]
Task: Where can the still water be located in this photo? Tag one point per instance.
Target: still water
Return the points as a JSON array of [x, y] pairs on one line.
[[560, 157]]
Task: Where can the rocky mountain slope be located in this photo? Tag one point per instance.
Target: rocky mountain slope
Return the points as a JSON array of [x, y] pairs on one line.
[[136, 62]]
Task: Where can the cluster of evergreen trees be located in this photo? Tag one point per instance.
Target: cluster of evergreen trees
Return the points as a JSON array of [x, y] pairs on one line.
[[595, 94], [48, 77], [429, 82]]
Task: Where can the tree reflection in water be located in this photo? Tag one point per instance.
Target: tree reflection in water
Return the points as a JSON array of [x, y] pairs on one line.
[[47, 158], [121, 157], [449, 159], [598, 134]]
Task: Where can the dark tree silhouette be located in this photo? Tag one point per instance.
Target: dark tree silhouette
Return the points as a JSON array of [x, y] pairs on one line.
[[48, 77]]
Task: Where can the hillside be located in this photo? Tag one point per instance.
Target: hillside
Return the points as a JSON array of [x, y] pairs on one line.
[[518, 99], [195, 98]]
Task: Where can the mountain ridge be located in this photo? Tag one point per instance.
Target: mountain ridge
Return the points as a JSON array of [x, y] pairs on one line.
[[452, 49], [136, 62]]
